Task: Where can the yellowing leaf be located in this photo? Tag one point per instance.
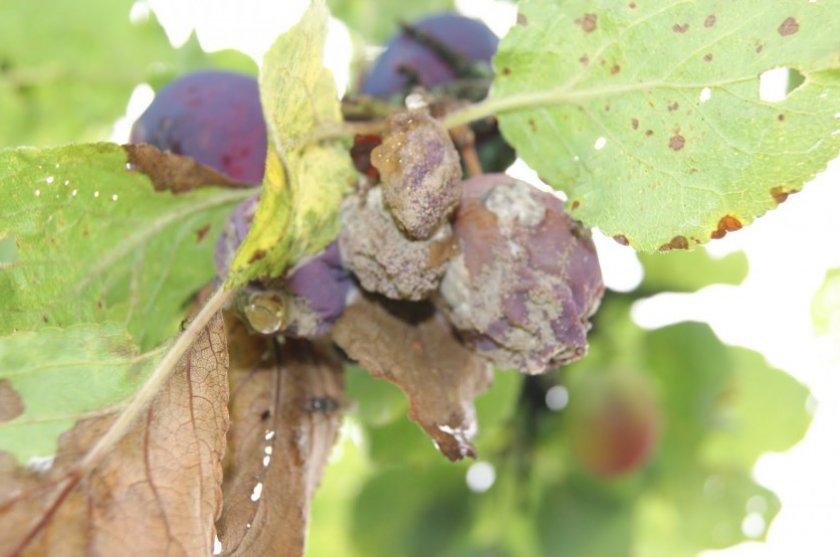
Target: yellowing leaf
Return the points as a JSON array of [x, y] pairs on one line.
[[304, 183], [648, 113]]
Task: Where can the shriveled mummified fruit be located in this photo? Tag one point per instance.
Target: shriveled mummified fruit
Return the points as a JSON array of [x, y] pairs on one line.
[[383, 258], [526, 279], [304, 303], [420, 171]]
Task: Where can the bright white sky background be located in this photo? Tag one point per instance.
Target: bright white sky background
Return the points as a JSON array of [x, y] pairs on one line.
[[789, 251]]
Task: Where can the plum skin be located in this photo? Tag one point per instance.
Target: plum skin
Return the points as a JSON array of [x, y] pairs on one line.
[[468, 37], [526, 280], [214, 117]]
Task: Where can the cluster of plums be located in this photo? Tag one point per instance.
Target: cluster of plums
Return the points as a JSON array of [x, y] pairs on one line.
[[515, 275]]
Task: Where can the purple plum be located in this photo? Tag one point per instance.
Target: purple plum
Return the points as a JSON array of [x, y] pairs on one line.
[[214, 117]]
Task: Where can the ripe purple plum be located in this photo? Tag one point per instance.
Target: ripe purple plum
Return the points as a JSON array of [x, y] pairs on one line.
[[527, 278], [613, 422], [409, 60], [214, 117]]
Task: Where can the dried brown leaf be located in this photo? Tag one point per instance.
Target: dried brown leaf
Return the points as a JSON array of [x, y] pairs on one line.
[[168, 171], [284, 408], [158, 492], [421, 355]]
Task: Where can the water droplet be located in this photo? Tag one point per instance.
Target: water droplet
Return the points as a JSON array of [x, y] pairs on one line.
[[705, 94], [600, 143], [66, 182], [96, 194], [115, 197], [74, 192], [265, 312], [37, 193], [50, 179]]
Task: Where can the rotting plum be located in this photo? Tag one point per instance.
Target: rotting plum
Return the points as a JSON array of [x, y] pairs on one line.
[[408, 60], [304, 303], [214, 117], [613, 422], [383, 258], [526, 279], [420, 172]]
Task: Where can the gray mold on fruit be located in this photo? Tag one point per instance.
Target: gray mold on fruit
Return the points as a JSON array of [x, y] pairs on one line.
[[526, 279], [421, 172], [383, 258]]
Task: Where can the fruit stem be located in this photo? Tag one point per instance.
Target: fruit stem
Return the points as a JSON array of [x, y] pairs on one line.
[[157, 379]]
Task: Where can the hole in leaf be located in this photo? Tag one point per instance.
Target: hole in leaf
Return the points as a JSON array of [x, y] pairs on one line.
[[776, 84], [8, 251]]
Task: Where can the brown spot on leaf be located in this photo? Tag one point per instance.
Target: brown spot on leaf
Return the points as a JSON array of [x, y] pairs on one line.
[[759, 47], [710, 21], [172, 172], [259, 254], [532, 124], [521, 19], [632, 5], [673, 106], [680, 28], [788, 27], [589, 22], [780, 194], [780, 117], [615, 69], [11, 404], [676, 142], [726, 224], [606, 108], [621, 239], [575, 204], [505, 71], [634, 123], [677, 242], [202, 232], [708, 57], [584, 60], [648, 133]]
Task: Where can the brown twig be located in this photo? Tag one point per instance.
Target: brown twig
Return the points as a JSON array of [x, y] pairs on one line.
[[464, 139]]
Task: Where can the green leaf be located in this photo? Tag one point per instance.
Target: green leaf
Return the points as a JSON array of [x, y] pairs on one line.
[[97, 243], [377, 401], [825, 308], [609, 101], [304, 182], [681, 271], [378, 21], [62, 376]]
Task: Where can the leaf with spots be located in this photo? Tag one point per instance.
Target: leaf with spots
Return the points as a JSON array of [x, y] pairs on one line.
[[156, 492], [304, 181], [285, 412], [648, 114], [97, 240], [414, 348]]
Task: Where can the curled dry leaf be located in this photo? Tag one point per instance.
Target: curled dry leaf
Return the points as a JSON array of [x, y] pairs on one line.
[[285, 403], [158, 492], [413, 347], [168, 171]]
